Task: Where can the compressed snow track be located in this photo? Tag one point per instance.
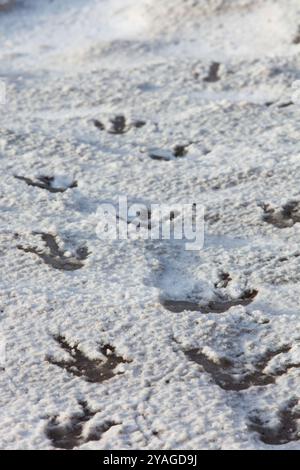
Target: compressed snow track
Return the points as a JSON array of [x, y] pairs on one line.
[[142, 344]]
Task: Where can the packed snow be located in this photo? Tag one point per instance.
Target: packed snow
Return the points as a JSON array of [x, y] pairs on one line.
[[142, 344]]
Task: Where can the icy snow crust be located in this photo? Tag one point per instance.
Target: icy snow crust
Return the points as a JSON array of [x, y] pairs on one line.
[[95, 356]]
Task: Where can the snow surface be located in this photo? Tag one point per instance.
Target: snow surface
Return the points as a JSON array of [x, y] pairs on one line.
[[66, 63]]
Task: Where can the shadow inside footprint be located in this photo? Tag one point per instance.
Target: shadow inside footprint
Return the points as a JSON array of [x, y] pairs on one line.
[[286, 104], [214, 306], [54, 256], [286, 431], [180, 150], [213, 74], [46, 182], [69, 435], [119, 125], [99, 124], [240, 376], [166, 155], [296, 39], [92, 370], [287, 216]]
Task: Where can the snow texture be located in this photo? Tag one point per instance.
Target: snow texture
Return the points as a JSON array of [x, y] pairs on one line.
[[142, 344]]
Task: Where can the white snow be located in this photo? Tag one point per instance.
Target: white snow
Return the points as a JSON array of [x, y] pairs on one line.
[[66, 63]]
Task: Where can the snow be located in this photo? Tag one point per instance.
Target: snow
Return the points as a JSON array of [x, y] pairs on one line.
[[68, 63]]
